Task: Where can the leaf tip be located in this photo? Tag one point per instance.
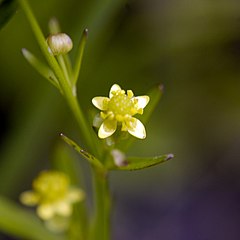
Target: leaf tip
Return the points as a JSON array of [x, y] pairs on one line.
[[161, 87], [85, 32], [25, 52], [169, 156], [63, 137], [54, 25]]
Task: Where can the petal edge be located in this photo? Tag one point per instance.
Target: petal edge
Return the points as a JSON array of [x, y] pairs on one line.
[[142, 101], [114, 88], [107, 128], [138, 130], [100, 102]]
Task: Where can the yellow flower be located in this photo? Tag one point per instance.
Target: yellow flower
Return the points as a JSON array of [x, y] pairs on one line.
[[120, 107], [52, 194]]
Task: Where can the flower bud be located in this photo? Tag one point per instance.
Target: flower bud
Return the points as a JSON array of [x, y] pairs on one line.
[[59, 43]]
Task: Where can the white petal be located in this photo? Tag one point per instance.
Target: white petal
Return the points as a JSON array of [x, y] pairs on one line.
[[100, 102], [29, 198], [138, 130], [142, 101], [45, 211], [114, 88], [107, 128], [97, 121], [63, 208]]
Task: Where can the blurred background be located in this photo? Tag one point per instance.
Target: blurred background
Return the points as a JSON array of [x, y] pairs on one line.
[[193, 49]]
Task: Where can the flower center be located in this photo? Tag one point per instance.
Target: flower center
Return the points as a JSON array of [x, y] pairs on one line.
[[121, 104], [51, 186]]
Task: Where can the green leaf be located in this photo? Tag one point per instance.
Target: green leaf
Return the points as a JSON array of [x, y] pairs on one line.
[[79, 57], [40, 67], [155, 95], [18, 222], [7, 9], [54, 26], [89, 157], [136, 163]]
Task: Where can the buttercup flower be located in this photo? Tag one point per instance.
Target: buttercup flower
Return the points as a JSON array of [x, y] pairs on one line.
[[120, 108], [52, 194]]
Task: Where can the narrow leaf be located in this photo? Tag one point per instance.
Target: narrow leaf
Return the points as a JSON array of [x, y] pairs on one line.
[[40, 67], [136, 163], [7, 9], [18, 222], [155, 95], [79, 57], [90, 158], [54, 26]]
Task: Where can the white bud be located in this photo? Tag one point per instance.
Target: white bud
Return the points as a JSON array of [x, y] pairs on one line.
[[59, 43]]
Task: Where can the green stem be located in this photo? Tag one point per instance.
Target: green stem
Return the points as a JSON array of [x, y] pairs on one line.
[[64, 68], [67, 90], [68, 65], [102, 196], [101, 223]]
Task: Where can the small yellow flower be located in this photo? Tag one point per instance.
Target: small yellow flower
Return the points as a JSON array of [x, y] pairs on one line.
[[52, 194], [120, 107]]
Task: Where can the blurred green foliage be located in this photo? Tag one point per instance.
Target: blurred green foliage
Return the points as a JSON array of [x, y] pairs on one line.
[[7, 9], [192, 47]]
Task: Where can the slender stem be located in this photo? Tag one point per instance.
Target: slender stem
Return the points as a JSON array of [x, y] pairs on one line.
[[107, 213], [101, 223], [102, 196], [68, 64], [67, 90], [64, 68]]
